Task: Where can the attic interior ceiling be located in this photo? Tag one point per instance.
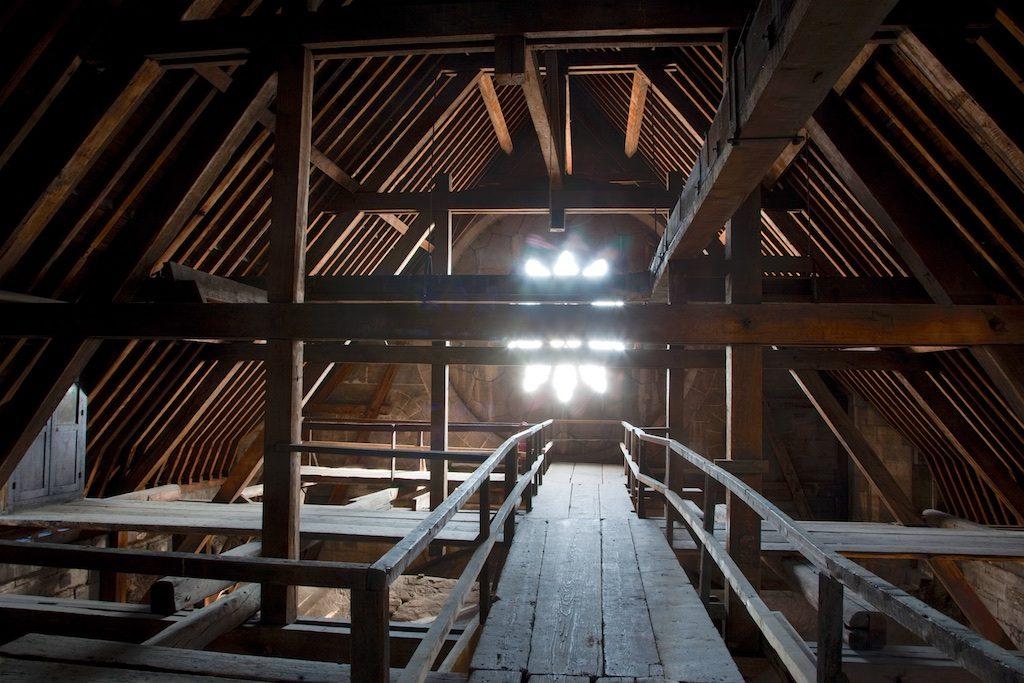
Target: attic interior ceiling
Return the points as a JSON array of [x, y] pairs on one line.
[[391, 123], [178, 413]]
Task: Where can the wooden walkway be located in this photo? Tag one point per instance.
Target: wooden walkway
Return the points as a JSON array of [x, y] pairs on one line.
[[591, 591]]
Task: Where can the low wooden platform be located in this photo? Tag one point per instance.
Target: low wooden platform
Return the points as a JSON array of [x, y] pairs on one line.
[[877, 540], [324, 522], [591, 494], [78, 660], [590, 590]]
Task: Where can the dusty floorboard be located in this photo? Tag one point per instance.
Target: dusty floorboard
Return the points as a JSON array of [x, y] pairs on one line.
[[590, 592]]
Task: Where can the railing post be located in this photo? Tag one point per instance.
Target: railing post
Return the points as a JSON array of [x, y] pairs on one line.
[[530, 454], [540, 452], [535, 479], [485, 532], [707, 565], [370, 655], [394, 447], [629, 470], [511, 476], [641, 497], [670, 531], [830, 629]]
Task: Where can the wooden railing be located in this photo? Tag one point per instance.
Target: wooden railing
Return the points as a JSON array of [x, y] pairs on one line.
[[369, 583], [961, 644], [370, 656]]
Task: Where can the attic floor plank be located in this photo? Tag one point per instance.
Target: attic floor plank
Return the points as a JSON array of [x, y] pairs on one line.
[[689, 646], [592, 592], [584, 499], [504, 643], [567, 627], [629, 647], [553, 499]]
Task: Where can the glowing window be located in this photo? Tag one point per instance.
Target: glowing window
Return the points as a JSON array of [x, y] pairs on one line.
[[566, 265]]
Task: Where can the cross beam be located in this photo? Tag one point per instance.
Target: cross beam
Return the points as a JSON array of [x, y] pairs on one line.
[[809, 359], [764, 324]]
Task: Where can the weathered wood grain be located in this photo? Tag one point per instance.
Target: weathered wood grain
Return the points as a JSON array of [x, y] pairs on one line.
[[505, 641], [689, 646], [629, 646], [567, 630]]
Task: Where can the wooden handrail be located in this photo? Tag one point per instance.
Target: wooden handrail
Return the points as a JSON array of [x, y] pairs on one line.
[[791, 649], [426, 652], [394, 562], [961, 644]]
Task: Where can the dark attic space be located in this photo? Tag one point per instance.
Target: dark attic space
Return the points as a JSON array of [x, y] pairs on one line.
[[546, 341]]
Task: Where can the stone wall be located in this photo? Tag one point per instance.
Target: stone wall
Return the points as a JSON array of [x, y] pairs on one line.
[[1000, 585], [902, 459], [79, 584]]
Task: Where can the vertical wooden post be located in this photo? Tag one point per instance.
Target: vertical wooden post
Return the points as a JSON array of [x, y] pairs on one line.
[[438, 433], [485, 532], [540, 451], [708, 569], [675, 388], [370, 655], [641, 490], [286, 274], [511, 475], [440, 264], [830, 629], [114, 585], [744, 376]]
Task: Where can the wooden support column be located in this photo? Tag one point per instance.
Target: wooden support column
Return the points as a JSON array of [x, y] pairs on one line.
[[370, 643], [441, 264], [485, 578], [744, 397], [286, 274], [830, 629], [114, 585], [675, 418]]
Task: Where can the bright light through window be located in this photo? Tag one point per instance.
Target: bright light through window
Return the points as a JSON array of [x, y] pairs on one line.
[[605, 345], [598, 268], [565, 378], [565, 265], [595, 377], [564, 382], [535, 376], [535, 268]]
